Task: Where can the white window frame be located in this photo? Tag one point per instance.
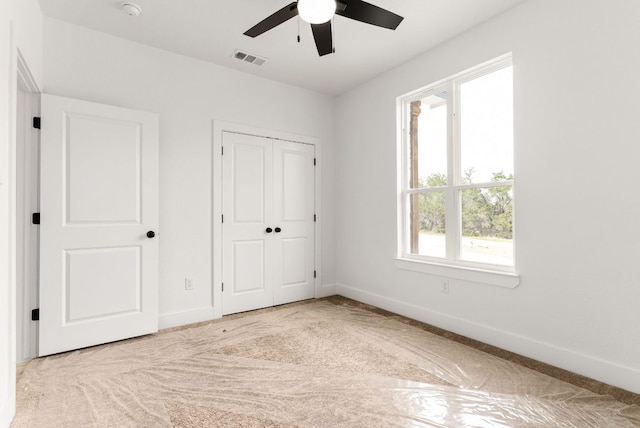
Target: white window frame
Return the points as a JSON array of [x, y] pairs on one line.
[[451, 266]]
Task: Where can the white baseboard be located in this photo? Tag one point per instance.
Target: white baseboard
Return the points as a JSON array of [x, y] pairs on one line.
[[604, 371], [7, 412], [326, 290], [177, 319]]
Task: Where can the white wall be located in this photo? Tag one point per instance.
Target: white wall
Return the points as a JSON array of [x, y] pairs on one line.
[[577, 96], [188, 94], [20, 29], [577, 138], [7, 320]]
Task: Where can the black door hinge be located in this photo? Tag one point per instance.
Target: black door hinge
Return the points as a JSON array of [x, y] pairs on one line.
[[36, 122], [223, 286], [222, 150], [35, 218], [314, 217], [35, 315], [314, 161], [222, 218], [314, 273]]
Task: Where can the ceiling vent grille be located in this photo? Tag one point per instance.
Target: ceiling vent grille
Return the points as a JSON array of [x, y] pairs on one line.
[[250, 58]]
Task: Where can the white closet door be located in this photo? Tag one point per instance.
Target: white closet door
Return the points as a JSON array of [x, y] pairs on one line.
[[247, 258], [294, 201], [99, 208], [268, 228]]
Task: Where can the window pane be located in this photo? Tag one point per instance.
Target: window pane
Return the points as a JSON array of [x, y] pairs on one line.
[[486, 128], [428, 148], [427, 229], [487, 225]]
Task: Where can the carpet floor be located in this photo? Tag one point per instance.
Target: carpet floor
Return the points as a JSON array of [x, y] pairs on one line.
[[323, 363]]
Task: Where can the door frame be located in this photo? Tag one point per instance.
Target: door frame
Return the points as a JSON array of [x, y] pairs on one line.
[[219, 127], [27, 183], [20, 79]]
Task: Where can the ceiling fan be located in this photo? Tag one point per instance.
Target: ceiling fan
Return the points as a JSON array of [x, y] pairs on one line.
[[319, 13]]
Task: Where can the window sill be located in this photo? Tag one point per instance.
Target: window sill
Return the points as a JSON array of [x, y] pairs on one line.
[[490, 277]]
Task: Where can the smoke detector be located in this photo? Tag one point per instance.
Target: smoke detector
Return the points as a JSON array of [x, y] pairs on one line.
[[131, 9]]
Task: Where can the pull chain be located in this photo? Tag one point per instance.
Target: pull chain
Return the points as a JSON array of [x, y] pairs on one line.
[[333, 34]]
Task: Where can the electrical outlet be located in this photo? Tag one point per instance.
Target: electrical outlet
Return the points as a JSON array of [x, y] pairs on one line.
[[444, 286], [188, 283]]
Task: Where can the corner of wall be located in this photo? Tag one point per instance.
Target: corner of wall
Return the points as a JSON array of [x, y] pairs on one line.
[[326, 290], [604, 371], [180, 318]]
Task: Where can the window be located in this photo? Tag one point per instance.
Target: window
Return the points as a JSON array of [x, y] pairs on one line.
[[456, 170]]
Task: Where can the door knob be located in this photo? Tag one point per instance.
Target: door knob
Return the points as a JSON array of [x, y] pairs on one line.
[[269, 230], [151, 234], [278, 230]]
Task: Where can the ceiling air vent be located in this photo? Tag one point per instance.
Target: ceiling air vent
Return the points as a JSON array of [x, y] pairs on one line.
[[250, 58]]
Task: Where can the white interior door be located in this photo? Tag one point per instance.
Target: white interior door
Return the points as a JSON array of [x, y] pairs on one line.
[[99, 215], [247, 197], [268, 227], [293, 217]]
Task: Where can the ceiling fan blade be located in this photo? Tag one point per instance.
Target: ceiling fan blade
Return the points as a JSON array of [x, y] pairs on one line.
[[368, 13], [323, 38], [283, 15]]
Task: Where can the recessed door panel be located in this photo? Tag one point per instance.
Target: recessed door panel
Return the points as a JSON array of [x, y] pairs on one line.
[[102, 170], [93, 289], [294, 198], [249, 183], [248, 267], [295, 261]]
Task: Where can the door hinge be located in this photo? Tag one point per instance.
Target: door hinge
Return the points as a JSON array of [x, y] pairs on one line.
[[222, 218], [314, 218], [314, 161], [223, 287], [35, 218], [36, 122], [222, 150], [314, 273], [35, 315]]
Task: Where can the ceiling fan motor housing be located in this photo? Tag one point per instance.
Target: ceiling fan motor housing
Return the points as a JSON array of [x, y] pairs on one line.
[[316, 11]]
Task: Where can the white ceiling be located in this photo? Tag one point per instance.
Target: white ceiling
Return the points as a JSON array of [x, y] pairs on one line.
[[212, 29]]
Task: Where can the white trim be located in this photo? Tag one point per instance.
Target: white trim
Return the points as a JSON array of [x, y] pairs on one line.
[[218, 128], [465, 273], [177, 319], [595, 368], [476, 71], [27, 175], [326, 290], [25, 77], [8, 243], [452, 190]]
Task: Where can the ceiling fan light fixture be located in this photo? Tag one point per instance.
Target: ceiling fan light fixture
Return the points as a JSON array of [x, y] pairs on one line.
[[316, 11]]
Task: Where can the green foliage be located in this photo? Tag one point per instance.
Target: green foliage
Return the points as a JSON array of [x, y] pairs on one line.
[[431, 205], [486, 212], [435, 180]]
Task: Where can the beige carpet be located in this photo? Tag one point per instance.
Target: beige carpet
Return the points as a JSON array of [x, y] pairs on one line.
[[324, 363]]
